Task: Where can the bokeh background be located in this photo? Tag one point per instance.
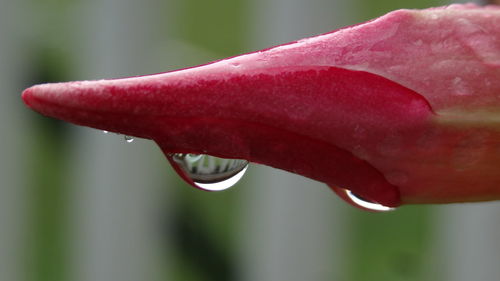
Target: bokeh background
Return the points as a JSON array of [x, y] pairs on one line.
[[76, 204]]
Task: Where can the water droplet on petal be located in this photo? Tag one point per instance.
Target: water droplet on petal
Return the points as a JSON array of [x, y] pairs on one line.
[[128, 139], [193, 157], [105, 132], [367, 204], [208, 172], [359, 202]]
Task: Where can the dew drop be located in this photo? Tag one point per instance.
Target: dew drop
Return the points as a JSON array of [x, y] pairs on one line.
[[208, 172], [105, 132], [359, 202], [128, 139], [367, 204]]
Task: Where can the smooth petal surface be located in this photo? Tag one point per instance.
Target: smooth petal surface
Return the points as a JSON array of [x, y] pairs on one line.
[[401, 109]]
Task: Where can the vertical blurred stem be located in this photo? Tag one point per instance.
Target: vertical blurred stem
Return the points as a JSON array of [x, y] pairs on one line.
[[390, 246], [49, 169], [48, 63], [48, 205], [218, 26]]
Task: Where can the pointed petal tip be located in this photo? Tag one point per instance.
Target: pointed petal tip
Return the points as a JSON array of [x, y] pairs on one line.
[[27, 96], [55, 100], [35, 97]]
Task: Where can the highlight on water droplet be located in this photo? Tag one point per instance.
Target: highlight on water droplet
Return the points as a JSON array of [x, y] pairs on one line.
[[208, 172], [128, 139], [357, 201], [105, 132], [367, 204]]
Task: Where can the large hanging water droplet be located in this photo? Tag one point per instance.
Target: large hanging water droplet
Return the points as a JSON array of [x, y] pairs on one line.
[[359, 202], [208, 172]]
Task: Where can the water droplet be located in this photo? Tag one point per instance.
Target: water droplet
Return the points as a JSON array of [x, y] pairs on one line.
[[193, 157], [128, 139], [208, 172], [105, 132], [367, 204], [359, 202]]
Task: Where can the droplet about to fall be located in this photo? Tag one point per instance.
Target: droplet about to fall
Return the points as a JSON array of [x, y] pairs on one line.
[[208, 172]]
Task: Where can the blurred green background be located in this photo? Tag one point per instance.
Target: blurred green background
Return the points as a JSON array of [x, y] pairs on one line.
[[76, 204]]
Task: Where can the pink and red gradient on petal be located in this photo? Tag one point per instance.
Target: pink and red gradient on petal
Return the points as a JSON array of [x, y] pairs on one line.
[[402, 109]]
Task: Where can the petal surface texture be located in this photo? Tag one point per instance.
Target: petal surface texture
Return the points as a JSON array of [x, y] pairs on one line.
[[401, 109]]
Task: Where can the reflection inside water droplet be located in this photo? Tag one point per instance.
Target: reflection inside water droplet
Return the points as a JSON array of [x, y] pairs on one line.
[[105, 132], [128, 139], [208, 172], [359, 202], [191, 158]]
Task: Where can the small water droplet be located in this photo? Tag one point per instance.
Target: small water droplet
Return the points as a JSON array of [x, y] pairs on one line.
[[359, 202], [208, 172], [128, 139], [105, 132], [367, 204]]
